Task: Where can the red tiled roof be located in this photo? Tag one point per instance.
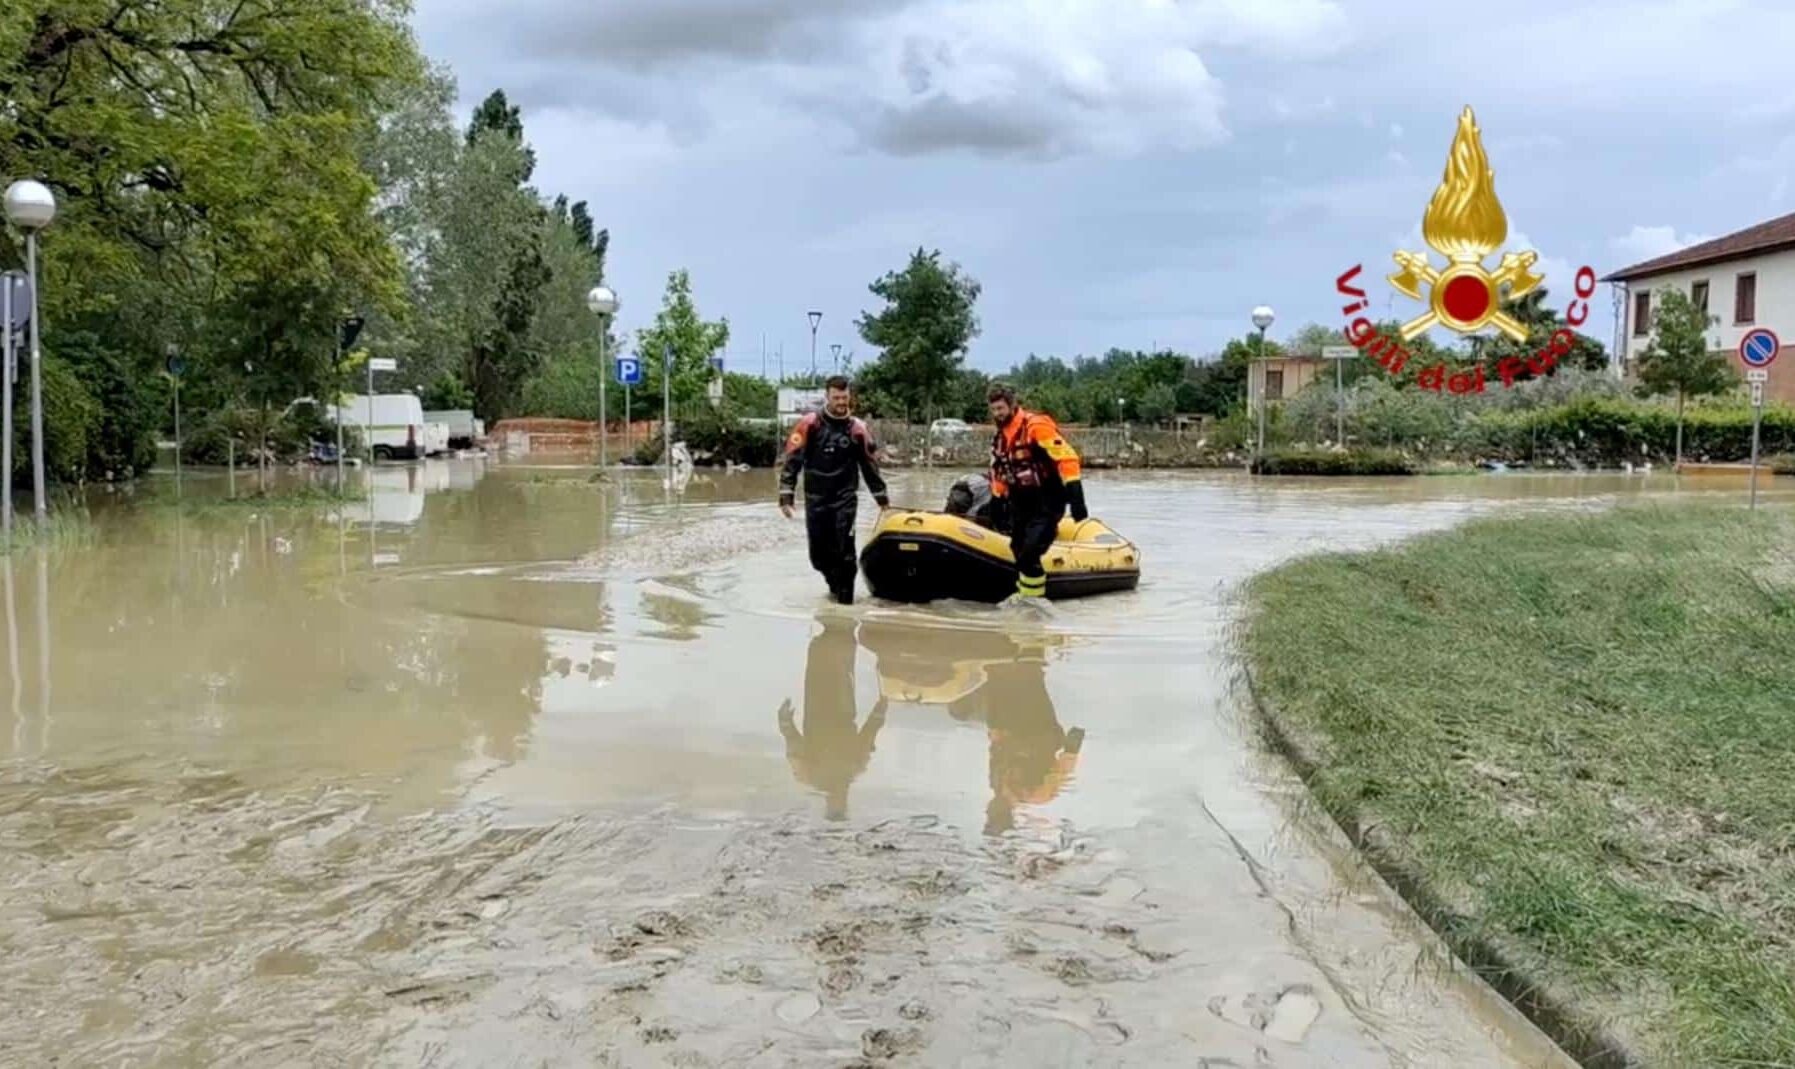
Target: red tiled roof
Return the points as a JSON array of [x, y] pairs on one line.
[[1778, 233]]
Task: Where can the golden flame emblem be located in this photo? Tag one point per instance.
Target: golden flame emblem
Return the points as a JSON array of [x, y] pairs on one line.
[[1465, 223]]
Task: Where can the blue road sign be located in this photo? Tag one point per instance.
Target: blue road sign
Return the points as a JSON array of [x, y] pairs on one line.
[[1759, 347], [629, 371], [717, 363]]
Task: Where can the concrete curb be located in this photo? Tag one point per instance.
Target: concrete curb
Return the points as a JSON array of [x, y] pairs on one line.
[[1556, 1012]]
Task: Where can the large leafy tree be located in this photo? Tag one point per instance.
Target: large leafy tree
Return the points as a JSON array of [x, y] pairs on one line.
[[1678, 360], [205, 156], [692, 338], [480, 266], [923, 331]]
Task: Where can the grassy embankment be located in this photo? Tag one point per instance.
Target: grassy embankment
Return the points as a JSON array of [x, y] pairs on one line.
[[1571, 741]]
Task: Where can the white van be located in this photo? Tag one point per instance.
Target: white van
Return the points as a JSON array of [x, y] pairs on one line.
[[399, 429]]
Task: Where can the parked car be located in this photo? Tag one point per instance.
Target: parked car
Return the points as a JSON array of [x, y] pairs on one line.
[[399, 428], [950, 428]]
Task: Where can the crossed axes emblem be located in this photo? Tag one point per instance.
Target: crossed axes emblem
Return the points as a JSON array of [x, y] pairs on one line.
[[1514, 272]]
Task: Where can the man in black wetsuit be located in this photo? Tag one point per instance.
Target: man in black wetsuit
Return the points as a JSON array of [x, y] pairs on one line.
[[833, 449]]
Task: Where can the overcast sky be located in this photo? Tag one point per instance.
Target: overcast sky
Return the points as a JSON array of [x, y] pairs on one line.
[[1119, 172]]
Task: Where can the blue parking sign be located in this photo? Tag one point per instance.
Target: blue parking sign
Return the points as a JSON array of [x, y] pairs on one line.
[[629, 371]]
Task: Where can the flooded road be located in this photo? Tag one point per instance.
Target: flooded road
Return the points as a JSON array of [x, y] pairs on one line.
[[509, 766]]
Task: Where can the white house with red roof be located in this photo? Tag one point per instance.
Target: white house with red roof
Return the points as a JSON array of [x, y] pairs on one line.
[[1745, 279]]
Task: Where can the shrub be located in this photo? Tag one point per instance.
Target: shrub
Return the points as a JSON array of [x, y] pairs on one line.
[[72, 424], [1291, 460], [717, 435]]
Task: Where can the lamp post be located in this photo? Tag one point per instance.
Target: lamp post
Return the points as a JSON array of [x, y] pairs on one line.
[[604, 305], [836, 350], [816, 319], [14, 304], [1262, 318], [30, 206]]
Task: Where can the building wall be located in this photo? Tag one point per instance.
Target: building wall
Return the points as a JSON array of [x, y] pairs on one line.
[[1775, 310], [1299, 371]]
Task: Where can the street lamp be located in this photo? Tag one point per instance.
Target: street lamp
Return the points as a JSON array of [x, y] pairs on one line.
[[816, 318], [836, 349], [30, 206], [1262, 318], [604, 305]]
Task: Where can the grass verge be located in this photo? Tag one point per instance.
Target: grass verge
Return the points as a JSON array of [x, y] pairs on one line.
[[1570, 740], [66, 526]]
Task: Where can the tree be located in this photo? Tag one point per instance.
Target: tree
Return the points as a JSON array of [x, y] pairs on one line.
[[748, 394], [1542, 322], [207, 158], [1158, 404], [923, 331], [692, 339], [497, 115], [1678, 359], [480, 265]]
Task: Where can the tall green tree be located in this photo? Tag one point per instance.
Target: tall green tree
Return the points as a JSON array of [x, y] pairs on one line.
[[692, 338], [923, 331], [480, 267], [206, 156], [1542, 322], [1678, 360]]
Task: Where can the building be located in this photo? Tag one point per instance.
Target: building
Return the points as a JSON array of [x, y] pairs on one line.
[[1745, 279], [1279, 378]]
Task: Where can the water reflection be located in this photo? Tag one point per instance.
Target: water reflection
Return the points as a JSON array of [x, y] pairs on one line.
[[994, 677], [12, 657], [830, 752]]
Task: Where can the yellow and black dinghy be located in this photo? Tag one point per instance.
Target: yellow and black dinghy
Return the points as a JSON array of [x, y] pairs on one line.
[[918, 557]]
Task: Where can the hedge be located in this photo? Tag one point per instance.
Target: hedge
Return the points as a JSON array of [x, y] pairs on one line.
[[1296, 460]]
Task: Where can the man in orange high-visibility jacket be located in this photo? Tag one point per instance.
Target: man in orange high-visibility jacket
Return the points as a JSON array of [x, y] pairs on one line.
[[1035, 475]]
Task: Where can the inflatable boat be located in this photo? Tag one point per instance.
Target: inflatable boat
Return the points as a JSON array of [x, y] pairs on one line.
[[918, 557]]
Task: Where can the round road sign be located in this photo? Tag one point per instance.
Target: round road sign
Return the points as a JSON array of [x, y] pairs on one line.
[[1759, 347]]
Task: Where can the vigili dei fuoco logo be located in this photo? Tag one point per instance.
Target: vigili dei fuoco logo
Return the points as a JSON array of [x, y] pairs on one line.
[[1464, 223]]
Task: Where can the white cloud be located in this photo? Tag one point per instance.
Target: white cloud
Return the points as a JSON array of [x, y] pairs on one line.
[[1028, 78], [1397, 159], [1650, 242], [1063, 77], [1396, 131]]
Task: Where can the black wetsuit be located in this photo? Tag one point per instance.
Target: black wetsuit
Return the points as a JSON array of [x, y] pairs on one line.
[[833, 454]]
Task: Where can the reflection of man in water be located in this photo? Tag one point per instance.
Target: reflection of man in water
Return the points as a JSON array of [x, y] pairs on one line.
[[1032, 757], [831, 752], [989, 676]]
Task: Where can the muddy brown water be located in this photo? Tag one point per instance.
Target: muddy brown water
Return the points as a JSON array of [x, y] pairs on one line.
[[508, 767]]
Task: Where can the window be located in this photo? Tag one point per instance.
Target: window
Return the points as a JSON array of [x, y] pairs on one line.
[[1745, 299], [1642, 313], [1274, 385], [1698, 296]]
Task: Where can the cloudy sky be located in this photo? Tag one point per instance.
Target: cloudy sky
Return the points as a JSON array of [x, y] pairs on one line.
[[1119, 172]]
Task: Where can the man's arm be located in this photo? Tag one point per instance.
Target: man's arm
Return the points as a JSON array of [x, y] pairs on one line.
[[868, 457], [794, 462], [1049, 440]]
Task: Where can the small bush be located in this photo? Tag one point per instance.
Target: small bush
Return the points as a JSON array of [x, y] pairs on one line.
[[717, 436], [1308, 461]]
